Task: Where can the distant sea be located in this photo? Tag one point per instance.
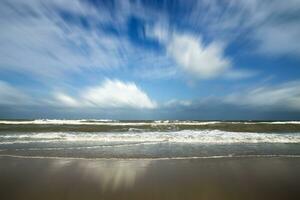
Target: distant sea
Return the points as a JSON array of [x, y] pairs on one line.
[[162, 139]]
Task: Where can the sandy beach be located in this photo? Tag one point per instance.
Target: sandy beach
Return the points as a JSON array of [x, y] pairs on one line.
[[213, 178]]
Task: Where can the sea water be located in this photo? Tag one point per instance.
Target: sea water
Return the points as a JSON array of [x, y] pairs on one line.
[[163, 139]]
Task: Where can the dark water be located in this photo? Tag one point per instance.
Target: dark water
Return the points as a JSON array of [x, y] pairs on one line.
[[148, 139]]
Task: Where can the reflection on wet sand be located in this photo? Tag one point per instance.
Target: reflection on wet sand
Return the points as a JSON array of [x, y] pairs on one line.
[[229, 178], [109, 175], [112, 175]]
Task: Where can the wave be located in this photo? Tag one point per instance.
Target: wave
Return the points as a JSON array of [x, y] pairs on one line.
[[184, 136], [135, 123], [154, 158]]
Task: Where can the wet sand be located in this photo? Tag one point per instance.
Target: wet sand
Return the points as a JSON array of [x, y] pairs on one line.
[[215, 178]]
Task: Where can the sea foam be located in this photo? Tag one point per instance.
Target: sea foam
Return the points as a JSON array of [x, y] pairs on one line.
[[184, 136]]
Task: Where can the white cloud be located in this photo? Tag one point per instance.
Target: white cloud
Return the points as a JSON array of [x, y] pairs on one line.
[[110, 94], [194, 57], [197, 59], [283, 96], [114, 93]]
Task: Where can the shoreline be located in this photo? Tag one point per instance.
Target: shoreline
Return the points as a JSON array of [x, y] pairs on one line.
[[149, 159]]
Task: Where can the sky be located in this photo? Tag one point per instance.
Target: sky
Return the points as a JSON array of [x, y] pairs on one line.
[[126, 59]]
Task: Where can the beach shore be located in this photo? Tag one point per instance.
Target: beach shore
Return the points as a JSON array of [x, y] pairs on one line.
[[210, 178]]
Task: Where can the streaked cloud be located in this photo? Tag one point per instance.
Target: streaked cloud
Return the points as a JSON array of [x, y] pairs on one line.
[[281, 96], [63, 100], [175, 103], [10, 95], [55, 39], [259, 21], [239, 74]]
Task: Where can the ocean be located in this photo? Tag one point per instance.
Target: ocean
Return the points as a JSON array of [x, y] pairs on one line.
[[163, 139]]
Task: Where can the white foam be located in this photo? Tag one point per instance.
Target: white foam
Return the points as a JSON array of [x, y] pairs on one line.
[[118, 123], [285, 122], [185, 136]]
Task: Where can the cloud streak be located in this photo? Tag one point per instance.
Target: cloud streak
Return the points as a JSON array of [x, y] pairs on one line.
[[43, 43], [261, 21], [282, 96], [11, 96]]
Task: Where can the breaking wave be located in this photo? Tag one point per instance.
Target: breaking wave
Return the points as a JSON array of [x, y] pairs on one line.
[[184, 136]]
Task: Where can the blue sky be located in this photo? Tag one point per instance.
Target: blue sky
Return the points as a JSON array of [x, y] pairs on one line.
[[205, 59]]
